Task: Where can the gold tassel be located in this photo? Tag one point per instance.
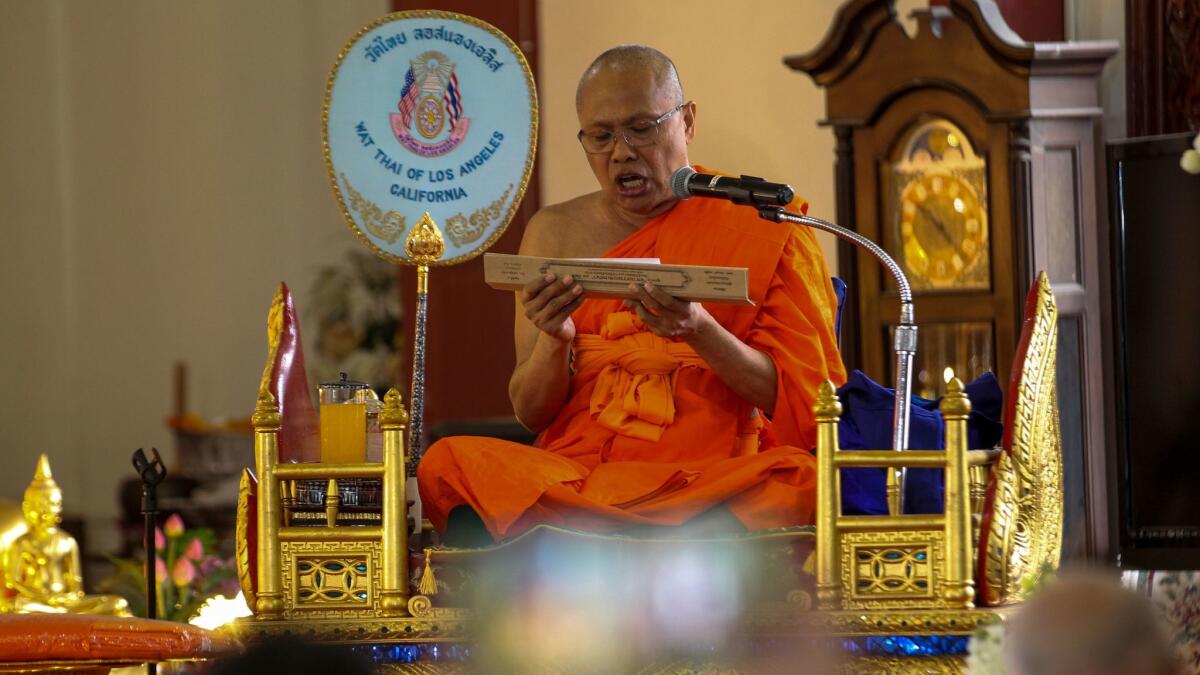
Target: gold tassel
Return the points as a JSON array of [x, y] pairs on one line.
[[428, 585]]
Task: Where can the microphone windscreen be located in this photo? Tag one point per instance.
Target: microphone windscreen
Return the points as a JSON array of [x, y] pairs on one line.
[[679, 182]]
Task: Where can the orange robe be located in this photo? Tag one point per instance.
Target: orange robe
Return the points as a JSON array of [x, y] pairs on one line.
[[650, 435]]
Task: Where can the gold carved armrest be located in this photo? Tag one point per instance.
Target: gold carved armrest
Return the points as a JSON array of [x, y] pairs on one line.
[[1021, 528]]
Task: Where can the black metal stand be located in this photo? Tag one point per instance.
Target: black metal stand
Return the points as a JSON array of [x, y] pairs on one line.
[[152, 472]]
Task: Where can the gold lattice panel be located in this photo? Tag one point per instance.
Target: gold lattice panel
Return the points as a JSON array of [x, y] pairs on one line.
[[330, 579], [891, 570]]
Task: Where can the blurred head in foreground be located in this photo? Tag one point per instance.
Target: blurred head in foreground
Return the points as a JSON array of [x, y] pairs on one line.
[[1087, 623], [578, 604]]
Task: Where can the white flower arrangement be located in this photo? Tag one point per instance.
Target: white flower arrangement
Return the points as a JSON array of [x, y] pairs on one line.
[[1190, 161], [985, 652]]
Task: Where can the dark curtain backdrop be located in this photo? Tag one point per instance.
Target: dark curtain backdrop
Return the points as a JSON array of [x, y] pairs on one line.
[[1162, 92]]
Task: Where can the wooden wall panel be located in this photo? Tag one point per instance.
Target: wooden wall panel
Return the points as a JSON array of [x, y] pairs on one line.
[[1162, 39]]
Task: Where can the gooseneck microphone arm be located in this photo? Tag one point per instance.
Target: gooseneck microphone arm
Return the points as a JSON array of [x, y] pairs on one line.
[[769, 199], [904, 344]]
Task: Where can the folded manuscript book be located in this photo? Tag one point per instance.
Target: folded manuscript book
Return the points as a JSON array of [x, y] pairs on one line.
[[610, 278]]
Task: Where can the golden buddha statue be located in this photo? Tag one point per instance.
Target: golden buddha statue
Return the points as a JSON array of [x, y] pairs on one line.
[[12, 525], [42, 570]]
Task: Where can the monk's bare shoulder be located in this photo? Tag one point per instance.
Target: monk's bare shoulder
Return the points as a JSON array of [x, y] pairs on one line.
[[562, 230]]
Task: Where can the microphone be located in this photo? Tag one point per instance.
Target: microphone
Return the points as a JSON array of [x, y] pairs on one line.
[[748, 190]]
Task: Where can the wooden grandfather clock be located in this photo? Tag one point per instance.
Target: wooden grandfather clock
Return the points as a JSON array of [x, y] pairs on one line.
[[975, 159]]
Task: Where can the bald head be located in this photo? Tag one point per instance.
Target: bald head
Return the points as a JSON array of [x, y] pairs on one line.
[[1085, 623], [634, 90], [634, 59]]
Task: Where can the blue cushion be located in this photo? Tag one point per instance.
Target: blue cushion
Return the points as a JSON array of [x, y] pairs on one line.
[[839, 289], [866, 424]]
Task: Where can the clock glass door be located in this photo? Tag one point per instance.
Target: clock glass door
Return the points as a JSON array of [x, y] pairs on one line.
[[937, 208], [936, 226], [945, 350]]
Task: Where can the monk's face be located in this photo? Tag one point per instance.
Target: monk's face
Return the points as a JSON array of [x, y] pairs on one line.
[[637, 180]]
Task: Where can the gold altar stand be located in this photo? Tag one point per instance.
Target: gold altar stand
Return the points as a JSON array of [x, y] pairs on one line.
[[890, 594], [904, 578], [336, 582], [903, 592]]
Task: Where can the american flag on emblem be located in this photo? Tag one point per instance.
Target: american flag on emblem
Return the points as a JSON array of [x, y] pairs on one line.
[[408, 98], [453, 101]]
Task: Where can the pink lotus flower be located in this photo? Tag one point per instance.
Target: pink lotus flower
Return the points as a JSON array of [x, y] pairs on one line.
[[194, 550], [160, 542], [174, 526], [184, 573], [160, 568]]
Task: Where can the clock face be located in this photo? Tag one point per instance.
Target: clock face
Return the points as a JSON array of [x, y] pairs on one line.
[[942, 228], [937, 210]]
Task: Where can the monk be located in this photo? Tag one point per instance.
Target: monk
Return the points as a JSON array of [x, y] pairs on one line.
[[655, 411]]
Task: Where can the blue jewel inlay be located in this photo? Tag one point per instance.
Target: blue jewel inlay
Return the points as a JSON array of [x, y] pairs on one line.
[[907, 645]]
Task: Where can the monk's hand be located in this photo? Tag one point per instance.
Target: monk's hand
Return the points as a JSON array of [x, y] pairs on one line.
[[549, 301], [665, 315]]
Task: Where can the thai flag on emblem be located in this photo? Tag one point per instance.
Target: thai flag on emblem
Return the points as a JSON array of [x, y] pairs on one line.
[[408, 98], [453, 101]]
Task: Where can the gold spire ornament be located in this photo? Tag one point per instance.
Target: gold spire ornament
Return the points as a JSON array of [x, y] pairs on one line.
[[42, 566], [425, 243]]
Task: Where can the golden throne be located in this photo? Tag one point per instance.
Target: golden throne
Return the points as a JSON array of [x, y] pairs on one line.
[[893, 593]]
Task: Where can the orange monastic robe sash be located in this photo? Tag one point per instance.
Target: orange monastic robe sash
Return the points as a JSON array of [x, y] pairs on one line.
[[649, 434]]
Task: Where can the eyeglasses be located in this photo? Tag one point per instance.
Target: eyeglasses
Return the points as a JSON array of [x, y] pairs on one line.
[[637, 135]]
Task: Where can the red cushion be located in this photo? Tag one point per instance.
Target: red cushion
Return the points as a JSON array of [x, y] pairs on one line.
[[75, 637]]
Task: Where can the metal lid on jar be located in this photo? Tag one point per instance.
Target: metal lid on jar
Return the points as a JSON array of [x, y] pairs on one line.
[[343, 383]]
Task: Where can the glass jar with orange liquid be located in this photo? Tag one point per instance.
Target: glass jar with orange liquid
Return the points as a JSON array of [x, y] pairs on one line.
[[343, 421]]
